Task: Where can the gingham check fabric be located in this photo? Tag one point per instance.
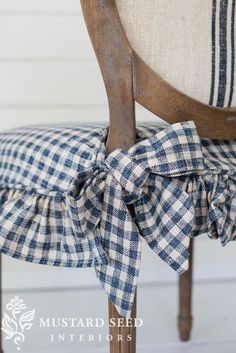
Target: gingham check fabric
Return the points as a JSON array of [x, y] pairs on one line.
[[65, 203]]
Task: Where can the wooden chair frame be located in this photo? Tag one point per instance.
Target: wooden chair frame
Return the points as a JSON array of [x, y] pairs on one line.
[[128, 79]]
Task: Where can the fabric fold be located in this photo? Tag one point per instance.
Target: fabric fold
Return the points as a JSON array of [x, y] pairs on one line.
[[214, 200], [46, 230]]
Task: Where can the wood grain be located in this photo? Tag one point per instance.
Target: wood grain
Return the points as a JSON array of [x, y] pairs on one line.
[[185, 299], [128, 334], [115, 59]]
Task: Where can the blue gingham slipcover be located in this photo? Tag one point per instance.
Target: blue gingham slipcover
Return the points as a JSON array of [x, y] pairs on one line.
[[65, 203]]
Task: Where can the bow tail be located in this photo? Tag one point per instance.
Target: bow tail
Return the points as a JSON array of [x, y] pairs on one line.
[[165, 217], [122, 243], [84, 211], [120, 284]]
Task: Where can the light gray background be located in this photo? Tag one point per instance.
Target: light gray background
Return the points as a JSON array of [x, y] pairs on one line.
[[48, 73]]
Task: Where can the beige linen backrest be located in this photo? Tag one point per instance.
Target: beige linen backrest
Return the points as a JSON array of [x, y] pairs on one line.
[[189, 43]]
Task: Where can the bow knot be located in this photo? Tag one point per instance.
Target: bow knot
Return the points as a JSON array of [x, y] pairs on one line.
[[142, 176], [128, 173]]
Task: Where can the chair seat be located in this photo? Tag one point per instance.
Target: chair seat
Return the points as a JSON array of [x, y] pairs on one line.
[[38, 168], [64, 203]]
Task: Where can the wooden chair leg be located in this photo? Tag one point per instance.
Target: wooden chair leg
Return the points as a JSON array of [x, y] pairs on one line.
[[185, 300], [1, 348], [124, 338]]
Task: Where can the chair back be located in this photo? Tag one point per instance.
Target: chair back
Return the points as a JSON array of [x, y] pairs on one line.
[[176, 58], [189, 43]]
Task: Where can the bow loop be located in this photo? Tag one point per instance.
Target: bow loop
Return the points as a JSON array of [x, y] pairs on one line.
[[172, 152]]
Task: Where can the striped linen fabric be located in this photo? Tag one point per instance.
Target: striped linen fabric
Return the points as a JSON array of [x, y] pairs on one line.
[[223, 53], [189, 43], [65, 203]]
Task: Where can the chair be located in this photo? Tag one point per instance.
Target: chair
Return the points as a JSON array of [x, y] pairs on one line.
[[175, 63], [130, 74]]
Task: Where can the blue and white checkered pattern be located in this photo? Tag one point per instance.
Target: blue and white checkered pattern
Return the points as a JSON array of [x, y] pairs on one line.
[[64, 203]]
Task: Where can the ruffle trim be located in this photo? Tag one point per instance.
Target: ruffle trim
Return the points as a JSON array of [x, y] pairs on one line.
[[44, 228], [214, 199]]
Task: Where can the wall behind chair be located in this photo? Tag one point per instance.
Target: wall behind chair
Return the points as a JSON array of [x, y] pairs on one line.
[[48, 70]]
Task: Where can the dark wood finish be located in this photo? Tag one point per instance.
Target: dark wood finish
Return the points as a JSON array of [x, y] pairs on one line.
[[185, 299], [128, 334], [115, 60]]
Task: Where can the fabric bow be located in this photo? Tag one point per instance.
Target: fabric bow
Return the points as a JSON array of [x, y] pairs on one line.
[[142, 178]]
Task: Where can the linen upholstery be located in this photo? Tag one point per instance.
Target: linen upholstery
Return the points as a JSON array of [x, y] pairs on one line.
[[189, 43], [64, 203]]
